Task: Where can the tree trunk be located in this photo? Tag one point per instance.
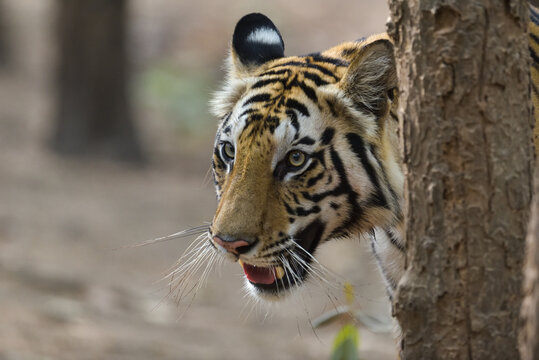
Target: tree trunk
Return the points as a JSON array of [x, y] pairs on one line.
[[466, 127], [4, 48], [529, 341], [94, 115]]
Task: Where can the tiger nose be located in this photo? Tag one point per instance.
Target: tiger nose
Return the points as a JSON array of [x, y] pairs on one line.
[[234, 246]]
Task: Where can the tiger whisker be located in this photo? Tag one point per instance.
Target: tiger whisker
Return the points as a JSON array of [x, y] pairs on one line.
[[193, 248], [194, 257], [318, 273], [318, 278], [320, 269], [198, 254], [184, 266], [178, 235], [252, 303]]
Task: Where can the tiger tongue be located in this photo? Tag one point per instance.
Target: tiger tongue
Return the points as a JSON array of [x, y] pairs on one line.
[[259, 275]]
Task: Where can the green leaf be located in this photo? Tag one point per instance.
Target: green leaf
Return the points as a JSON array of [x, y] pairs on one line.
[[345, 344]]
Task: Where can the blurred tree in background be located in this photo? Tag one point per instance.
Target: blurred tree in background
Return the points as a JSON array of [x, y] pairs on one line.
[[4, 51], [94, 114]]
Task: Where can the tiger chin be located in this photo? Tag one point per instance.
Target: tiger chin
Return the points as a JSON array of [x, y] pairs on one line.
[[306, 151]]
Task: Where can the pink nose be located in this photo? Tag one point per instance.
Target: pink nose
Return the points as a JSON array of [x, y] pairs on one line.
[[230, 246]]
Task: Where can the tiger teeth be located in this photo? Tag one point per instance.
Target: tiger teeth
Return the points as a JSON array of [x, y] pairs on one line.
[[279, 272], [240, 261]]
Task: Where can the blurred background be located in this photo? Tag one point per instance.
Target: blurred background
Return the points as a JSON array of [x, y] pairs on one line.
[[105, 141]]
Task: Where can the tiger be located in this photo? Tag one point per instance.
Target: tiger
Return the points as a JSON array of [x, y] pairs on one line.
[[307, 150]]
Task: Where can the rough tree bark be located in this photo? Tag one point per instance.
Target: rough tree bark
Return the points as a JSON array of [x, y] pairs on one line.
[[466, 127], [529, 341], [94, 114]]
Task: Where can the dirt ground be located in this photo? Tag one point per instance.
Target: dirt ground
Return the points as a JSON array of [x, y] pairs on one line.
[[70, 285]]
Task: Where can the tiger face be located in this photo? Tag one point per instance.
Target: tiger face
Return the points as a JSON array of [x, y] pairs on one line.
[[304, 153]]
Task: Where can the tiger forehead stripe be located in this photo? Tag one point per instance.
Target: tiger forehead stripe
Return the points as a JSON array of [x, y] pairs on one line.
[[258, 98], [313, 66], [320, 58], [296, 105]]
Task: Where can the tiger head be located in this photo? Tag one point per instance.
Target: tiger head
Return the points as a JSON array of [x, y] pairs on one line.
[[305, 152]]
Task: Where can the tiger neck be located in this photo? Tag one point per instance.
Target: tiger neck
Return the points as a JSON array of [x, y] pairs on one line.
[[389, 249], [388, 241]]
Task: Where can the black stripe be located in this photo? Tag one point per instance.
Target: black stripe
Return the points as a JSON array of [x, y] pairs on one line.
[[275, 72], [309, 91], [305, 140], [294, 104], [293, 119], [258, 98], [304, 212], [217, 161], [344, 187], [271, 123], [327, 136], [275, 244], [280, 171], [315, 78], [333, 61], [394, 197], [534, 16], [394, 241], [310, 66], [320, 156], [315, 179], [226, 119], [349, 51], [247, 111], [264, 82], [291, 82], [255, 117], [358, 147], [310, 237], [534, 56], [331, 106], [289, 209]]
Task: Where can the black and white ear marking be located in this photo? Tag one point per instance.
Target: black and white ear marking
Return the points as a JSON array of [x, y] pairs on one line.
[[256, 40]]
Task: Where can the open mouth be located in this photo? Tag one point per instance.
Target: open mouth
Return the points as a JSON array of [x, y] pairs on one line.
[[292, 267], [274, 279]]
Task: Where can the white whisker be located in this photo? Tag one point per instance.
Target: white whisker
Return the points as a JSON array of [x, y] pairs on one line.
[[180, 234]]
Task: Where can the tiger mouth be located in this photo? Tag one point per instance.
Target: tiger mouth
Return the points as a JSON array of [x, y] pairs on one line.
[[274, 279], [292, 268]]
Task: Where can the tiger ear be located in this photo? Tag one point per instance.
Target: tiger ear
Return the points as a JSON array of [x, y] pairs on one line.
[[371, 77], [256, 41]]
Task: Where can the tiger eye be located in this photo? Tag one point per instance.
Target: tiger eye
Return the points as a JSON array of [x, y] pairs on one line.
[[296, 158], [228, 150]]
